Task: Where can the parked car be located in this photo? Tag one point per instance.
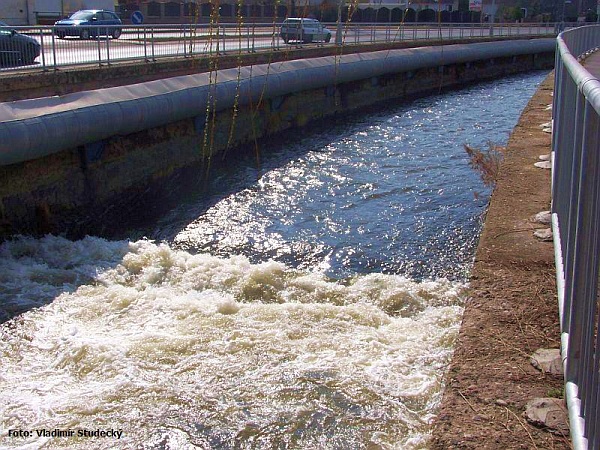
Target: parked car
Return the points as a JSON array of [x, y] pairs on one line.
[[88, 23], [17, 48], [303, 30]]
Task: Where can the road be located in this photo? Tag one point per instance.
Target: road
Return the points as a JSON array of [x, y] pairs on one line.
[[151, 43]]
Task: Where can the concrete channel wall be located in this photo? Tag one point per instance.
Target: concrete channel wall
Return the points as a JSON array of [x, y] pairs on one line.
[[71, 164]]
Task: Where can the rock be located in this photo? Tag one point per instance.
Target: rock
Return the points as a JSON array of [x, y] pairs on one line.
[[548, 360], [544, 234], [546, 125], [544, 217], [543, 164], [501, 402], [550, 413]]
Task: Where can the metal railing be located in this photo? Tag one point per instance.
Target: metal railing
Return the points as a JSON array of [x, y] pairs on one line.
[[151, 42], [576, 228]]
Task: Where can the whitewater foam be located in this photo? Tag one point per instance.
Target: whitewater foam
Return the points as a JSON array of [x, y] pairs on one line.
[[197, 350]]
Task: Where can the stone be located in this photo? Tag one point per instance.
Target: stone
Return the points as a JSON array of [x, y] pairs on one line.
[[544, 234], [543, 165], [543, 217], [548, 360], [550, 413]]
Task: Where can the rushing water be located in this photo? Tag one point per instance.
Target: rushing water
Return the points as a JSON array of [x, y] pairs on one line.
[[315, 308]]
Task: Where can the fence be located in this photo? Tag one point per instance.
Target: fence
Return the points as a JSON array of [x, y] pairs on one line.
[[576, 226], [110, 44]]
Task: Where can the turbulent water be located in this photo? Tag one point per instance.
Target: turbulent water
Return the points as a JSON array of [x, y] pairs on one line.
[[315, 308]]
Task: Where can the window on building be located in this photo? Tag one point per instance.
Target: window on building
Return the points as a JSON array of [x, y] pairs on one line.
[[154, 9], [172, 9]]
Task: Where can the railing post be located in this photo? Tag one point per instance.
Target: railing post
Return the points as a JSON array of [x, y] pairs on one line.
[[107, 48], [145, 45], [43, 50], [97, 44], [248, 38], [152, 43], [54, 49]]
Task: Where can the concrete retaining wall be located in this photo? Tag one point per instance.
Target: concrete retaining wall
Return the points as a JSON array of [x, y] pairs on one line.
[[72, 163]]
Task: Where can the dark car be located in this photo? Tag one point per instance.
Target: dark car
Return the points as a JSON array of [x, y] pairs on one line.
[[88, 23], [17, 48]]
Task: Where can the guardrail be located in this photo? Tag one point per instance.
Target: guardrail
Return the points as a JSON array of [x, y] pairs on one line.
[[576, 228], [111, 44]]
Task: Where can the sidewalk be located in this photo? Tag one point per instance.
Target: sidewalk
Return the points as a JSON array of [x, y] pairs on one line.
[[512, 310], [592, 64]]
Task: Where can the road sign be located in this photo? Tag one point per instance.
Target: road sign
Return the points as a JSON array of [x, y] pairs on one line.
[[137, 18]]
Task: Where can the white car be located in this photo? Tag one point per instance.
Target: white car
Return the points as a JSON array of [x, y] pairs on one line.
[[304, 30]]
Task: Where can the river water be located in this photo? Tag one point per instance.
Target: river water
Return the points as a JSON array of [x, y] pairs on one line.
[[310, 303]]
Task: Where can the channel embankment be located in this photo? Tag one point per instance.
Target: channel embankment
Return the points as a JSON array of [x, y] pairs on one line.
[[512, 309]]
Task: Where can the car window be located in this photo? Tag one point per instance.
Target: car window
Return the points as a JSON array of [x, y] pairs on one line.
[[82, 15]]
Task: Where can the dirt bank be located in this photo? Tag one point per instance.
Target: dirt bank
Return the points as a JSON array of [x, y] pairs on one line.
[[512, 310]]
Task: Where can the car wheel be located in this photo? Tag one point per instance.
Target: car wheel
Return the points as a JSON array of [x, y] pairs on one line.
[[285, 39], [61, 34], [328, 38], [84, 34], [116, 32], [28, 55]]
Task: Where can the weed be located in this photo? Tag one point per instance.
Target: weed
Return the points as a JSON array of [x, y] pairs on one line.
[[487, 161]]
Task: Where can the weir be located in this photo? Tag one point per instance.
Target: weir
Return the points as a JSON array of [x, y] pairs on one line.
[[66, 161]]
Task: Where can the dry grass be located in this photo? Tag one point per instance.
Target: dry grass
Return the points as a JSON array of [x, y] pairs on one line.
[[486, 162]]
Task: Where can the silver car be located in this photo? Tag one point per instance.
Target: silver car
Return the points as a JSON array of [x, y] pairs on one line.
[[304, 30]]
